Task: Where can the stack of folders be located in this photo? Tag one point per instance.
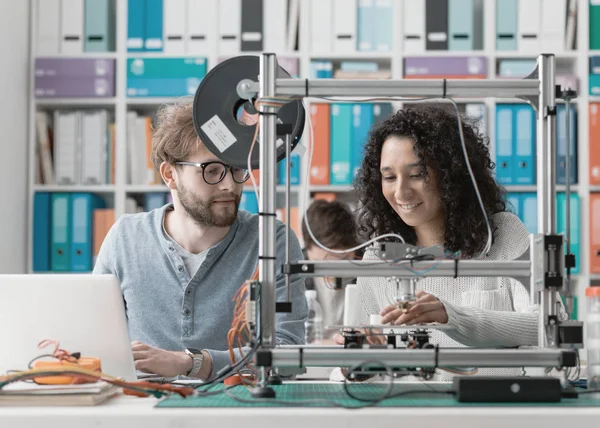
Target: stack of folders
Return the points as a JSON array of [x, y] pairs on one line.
[[440, 67], [31, 394], [594, 75], [164, 77], [75, 147], [74, 77], [325, 69]]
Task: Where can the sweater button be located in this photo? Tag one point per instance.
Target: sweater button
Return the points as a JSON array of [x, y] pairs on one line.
[[187, 312], [180, 268]]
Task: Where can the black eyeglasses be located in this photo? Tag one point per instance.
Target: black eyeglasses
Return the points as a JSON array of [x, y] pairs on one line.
[[214, 172]]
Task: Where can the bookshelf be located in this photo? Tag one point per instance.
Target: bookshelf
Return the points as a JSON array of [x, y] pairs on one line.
[[116, 194]]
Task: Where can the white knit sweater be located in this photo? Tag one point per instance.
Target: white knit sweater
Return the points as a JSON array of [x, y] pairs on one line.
[[482, 311]]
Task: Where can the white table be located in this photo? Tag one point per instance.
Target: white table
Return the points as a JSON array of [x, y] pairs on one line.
[[129, 412]]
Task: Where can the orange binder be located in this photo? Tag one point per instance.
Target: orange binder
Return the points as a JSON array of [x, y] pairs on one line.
[[595, 232], [594, 141], [329, 197], [320, 119]]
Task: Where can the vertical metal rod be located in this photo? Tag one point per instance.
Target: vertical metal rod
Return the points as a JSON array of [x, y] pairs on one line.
[[266, 221], [287, 214], [546, 183], [568, 293]]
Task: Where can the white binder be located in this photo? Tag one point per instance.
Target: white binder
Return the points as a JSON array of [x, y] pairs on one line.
[[529, 26], [414, 26], [47, 27], [554, 21], [174, 23], [201, 33], [230, 26], [71, 28], [344, 26], [321, 33]]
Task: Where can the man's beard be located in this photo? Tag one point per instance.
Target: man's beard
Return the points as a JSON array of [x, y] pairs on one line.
[[204, 212]]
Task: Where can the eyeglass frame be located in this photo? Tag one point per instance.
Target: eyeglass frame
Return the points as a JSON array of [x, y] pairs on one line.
[[228, 168]]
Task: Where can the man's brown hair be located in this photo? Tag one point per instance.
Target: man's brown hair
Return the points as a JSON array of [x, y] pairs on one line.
[[332, 224], [174, 138]]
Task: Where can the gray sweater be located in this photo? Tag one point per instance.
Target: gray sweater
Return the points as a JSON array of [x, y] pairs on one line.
[[168, 309]]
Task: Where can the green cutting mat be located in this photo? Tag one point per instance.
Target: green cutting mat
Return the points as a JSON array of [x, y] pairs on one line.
[[329, 395]]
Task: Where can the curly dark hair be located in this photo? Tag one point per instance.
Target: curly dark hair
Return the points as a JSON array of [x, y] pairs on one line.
[[437, 144]]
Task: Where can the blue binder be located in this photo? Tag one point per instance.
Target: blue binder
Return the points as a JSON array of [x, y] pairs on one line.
[[295, 160], [365, 40], [248, 202], [506, 25], [136, 25], [156, 87], [513, 203], [99, 26], [575, 221], [528, 211], [383, 25], [561, 145], [381, 111], [154, 201], [41, 232], [362, 120], [154, 26], [460, 25], [60, 234], [341, 143], [524, 148], [505, 170], [82, 230]]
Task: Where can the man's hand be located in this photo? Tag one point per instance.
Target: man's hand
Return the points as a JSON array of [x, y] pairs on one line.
[[426, 309], [159, 361]]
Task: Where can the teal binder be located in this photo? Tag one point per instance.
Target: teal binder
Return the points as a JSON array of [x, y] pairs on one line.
[[154, 26], [136, 25], [99, 26], [460, 25], [575, 221], [60, 255], [506, 25], [82, 230], [341, 144]]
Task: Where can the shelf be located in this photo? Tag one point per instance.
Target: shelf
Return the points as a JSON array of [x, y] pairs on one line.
[[327, 188], [74, 102], [526, 55], [594, 276], [533, 188], [146, 188], [594, 188], [442, 53], [91, 55], [352, 55], [153, 101], [101, 188]]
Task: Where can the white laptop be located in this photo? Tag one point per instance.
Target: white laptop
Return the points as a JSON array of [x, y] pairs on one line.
[[84, 312]]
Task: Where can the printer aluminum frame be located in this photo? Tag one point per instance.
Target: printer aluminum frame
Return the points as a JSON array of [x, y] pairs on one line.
[[542, 271]]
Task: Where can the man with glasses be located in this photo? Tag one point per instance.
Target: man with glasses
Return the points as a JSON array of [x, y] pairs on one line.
[[180, 265]]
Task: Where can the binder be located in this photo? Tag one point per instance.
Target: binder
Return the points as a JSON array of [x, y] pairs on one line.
[[595, 232], [506, 25], [344, 26], [594, 33], [154, 201], [594, 142], [82, 230], [41, 232], [553, 25], [94, 147], [561, 145], [99, 28], [174, 26], [362, 120], [320, 166], [154, 26], [575, 221], [103, 220], [230, 24], [524, 131], [513, 203], [67, 142], [436, 25], [252, 25], [60, 235], [366, 26], [529, 16], [295, 163], [381, 111], [383, 31], [136, 25], [460, 25], [201, 33], [48, 27], [414, 26], [321, 33], [248, 202], [528, 211], [275, 25], [505, 171], [341, 140], [71, 28], [166, 68]]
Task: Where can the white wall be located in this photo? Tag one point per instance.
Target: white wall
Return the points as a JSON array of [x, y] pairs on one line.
[[14, 87]]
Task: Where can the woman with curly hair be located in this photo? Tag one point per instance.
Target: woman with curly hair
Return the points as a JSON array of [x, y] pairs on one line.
[[414, 182]]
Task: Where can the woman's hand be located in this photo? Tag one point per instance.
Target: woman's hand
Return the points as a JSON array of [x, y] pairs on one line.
[[426, 309]]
